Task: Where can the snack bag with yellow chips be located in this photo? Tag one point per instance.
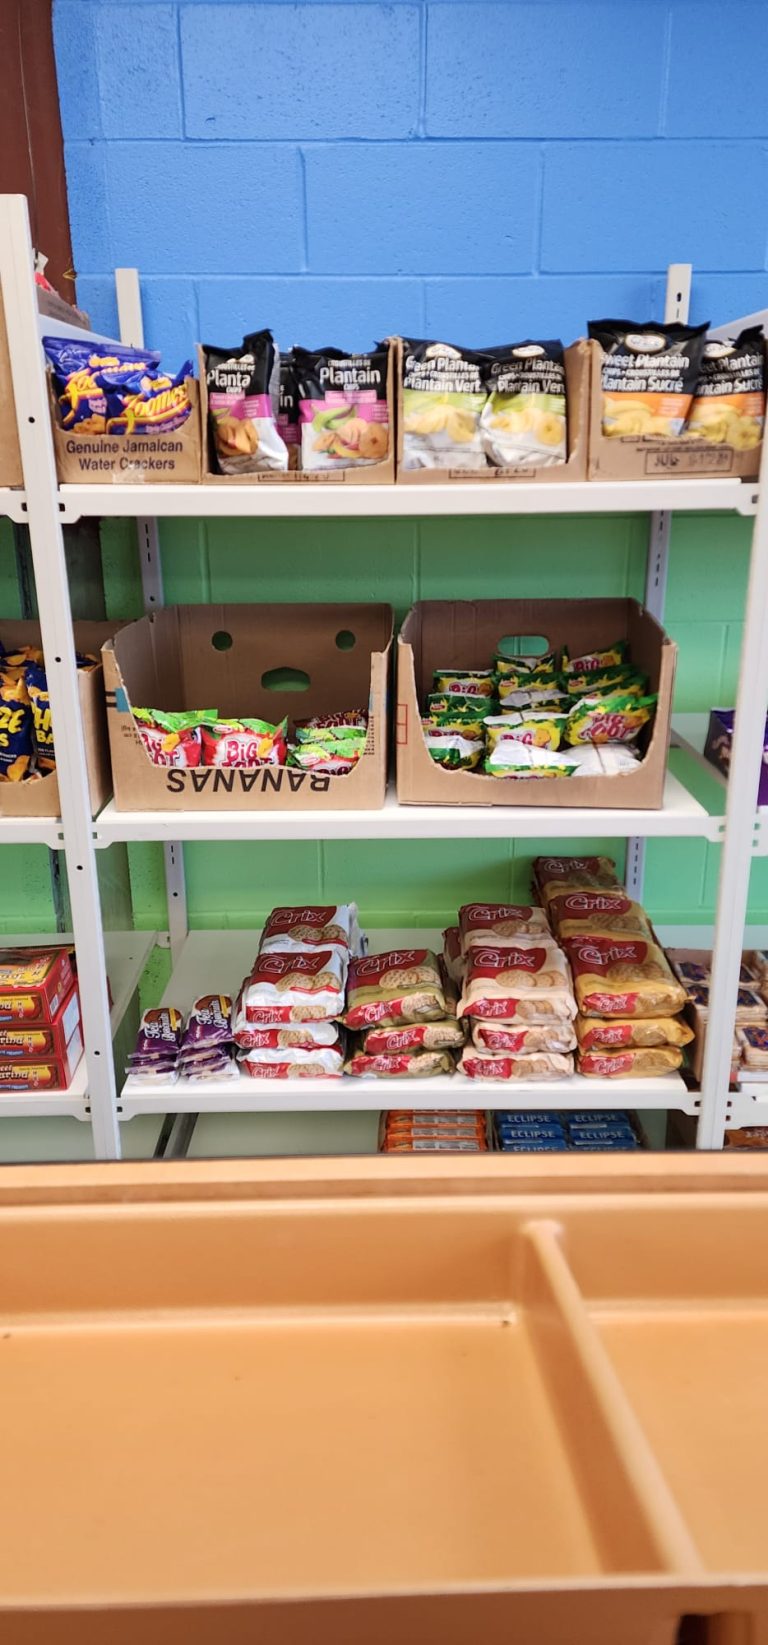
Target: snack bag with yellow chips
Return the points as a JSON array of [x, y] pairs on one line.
[[729, 402], [241, 413], [523, 424], [343, 410], [649, 374], [444, 392]]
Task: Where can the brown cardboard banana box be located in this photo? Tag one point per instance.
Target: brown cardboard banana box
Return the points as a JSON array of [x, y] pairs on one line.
[[85, 457], [259, 661], [41, 797], [577, 378], [443, 634], [649, 458], [382, 473], [10, 455]]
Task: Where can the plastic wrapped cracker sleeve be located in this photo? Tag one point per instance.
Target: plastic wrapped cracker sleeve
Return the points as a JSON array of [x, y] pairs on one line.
[[529, 1065], [500, 924], [554, 875], [593, 1034], [295, 987], [401, 986], [500, 1036], [304, 928], [527, 983], [630, 1064], [623, 976], [587, 912]]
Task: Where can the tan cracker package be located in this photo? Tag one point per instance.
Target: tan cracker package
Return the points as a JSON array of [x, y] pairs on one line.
[[528, 983], [403, 985], [586, 912], [630, 1064], [554, 875], [595, 1035], [499, 923], [623, 977]]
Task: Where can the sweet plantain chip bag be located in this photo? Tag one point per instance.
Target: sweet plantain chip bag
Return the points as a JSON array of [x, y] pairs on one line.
[[343, 411], [729, 402], [444, 392], [649, 374], [523, 423], [240, 410]]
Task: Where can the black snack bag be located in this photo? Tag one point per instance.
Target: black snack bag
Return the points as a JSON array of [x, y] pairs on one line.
[[343, 410], [288, 409], [649, 375], [240, 411], [729, 401], [444, 392], [523, 423]]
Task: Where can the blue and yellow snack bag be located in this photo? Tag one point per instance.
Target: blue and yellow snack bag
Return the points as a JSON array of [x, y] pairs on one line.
[[40, 704], [15, 728]]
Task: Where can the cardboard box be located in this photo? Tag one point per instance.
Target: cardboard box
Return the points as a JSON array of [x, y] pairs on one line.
[[171, 457], [45, 1040], [38, 1074], [717, 748], [364, 474], [657, 459], [577, 377], [34, 984], [10, 455], [41, 798], [464, 634], [220, 656]]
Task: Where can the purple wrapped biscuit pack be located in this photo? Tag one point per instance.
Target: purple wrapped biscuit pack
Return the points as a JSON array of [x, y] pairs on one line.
[[159, 1031], [209, 1022]]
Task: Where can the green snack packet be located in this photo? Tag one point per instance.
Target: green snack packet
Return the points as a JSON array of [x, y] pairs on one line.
[[455, 753], [187, 719], [329, 735], [616, 718], [625, 679], [441, 702], [457, 682], [526, 670]]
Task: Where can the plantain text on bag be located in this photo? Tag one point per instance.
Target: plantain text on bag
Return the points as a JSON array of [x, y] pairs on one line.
[[649, 374]]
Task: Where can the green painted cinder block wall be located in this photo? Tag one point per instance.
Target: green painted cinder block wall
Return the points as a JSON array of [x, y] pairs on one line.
[[402, 561]]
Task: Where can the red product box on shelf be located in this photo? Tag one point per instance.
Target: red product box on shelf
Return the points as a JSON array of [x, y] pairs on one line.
[[43, 1073], [42, 1040], [34, 984]]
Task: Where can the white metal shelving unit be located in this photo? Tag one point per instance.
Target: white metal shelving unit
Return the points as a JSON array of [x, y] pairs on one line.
[[209, 960]]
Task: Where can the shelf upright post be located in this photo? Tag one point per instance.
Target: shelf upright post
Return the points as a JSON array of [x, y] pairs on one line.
[[740, 832], [131, 322], [676, 304], [47, 542]]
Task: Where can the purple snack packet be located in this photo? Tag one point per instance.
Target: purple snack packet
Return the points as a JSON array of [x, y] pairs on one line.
[[159, 1032], [209, 1022]]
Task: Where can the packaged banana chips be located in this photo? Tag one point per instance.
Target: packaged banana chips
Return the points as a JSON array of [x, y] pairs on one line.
[[729, 401], [523, 422], [343, 411], [649, 374], [444, 392]]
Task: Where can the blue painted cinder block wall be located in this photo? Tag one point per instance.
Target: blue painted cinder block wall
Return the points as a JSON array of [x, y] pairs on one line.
[[473, 169]]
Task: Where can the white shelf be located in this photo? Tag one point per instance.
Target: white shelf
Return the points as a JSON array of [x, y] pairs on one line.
[[680, 817], [13, 504], [127, 954], [317, 501], [214, 961], [31, 831]]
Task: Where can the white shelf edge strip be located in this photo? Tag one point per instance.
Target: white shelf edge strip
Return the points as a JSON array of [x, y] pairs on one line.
[[214, 960], [32, 831], [462, 498], [681, 816]]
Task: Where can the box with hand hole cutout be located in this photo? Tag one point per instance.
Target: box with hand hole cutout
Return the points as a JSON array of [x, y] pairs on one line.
[[268, 662]]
